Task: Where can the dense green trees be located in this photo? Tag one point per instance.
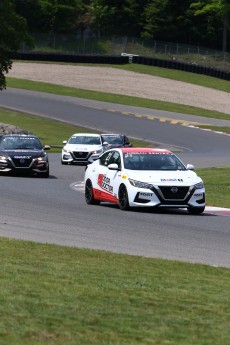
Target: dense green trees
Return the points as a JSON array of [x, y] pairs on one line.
[[12, 33], [188, 21], [203, 22]]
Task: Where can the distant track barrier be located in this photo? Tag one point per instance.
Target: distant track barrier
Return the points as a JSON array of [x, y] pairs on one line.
[[71, 58], [120, 60], [182, 66]]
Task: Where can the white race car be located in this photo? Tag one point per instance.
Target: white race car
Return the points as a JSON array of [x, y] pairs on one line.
[[80, 147], [144, 177]]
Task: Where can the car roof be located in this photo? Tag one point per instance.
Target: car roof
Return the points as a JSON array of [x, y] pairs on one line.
[[85, 134], [144, 150], [19, 135], [112, 134]]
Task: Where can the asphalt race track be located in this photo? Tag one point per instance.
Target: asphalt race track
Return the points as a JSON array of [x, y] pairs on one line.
[[53, 210]]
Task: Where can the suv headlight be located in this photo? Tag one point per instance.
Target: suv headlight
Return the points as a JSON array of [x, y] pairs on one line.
[[199, 185], [139, 184], [3, 158]]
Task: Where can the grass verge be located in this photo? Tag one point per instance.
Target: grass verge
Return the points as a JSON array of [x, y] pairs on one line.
[[50, 132], [62, 295], [217, 185]]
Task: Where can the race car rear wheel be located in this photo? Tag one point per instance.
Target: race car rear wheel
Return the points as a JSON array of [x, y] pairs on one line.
[[196, 210], [89, 197], [123, 199]]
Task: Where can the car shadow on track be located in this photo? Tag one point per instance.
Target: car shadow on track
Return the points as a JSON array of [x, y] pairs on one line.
[[171, 211]]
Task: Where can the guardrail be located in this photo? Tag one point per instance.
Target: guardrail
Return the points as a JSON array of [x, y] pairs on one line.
[[183, 66], [72, 58]]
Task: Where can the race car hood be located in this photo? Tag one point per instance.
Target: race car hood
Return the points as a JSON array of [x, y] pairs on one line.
[[186, 177], [86, 148], [23, 153]]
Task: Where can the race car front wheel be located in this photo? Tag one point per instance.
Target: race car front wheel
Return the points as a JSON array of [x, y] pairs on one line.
[[89, 197], [123, 198], [196, 210]]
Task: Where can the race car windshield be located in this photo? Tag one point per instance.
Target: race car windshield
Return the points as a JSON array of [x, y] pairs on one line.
[[85, 140], [152, 161], [112, 139], [13, 143]]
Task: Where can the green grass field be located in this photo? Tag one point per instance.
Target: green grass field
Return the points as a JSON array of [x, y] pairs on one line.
[[60, 295], [51, 295]]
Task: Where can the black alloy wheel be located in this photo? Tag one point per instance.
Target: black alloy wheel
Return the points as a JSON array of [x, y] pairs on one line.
[[89, 197], [123, 198]]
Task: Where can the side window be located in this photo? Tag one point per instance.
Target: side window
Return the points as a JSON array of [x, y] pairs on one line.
[[126, 140], [115, 158], [105, 159]]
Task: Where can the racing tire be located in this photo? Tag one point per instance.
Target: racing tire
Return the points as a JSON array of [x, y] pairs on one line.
[[196, 210], [89, 197], [123, 198], [64, 163], [45, 174]]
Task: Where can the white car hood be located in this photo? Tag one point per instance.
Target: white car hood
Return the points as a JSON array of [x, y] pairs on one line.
[[74, 147], [186, 177]]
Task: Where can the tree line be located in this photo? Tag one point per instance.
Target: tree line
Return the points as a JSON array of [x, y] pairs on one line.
[[200, 23], [203, 23]]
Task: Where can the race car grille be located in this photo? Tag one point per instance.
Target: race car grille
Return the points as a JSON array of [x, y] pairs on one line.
[[174, 193], [80, 155], [22, 162]]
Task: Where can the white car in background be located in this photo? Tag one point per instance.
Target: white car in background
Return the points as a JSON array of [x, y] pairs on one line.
[[144, 177], [80, 147]]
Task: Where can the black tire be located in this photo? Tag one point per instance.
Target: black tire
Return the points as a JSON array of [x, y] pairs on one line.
[[63, 163], [196, 210], [89, 197], [45, 174], [123, 199]]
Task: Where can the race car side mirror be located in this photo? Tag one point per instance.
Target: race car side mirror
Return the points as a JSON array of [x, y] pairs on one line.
[[190, 167], [113, 166]]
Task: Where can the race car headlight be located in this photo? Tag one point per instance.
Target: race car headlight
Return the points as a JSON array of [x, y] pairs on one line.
[[97, 151], [42, 159], [139, 184], [199, 185]]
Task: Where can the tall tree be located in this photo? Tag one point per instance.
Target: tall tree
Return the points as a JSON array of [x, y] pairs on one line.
[[118, 17], [212, 10], [60, 16], [13, 31]]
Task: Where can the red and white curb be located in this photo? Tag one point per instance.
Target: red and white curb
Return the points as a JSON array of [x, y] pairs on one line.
[[217, 211]]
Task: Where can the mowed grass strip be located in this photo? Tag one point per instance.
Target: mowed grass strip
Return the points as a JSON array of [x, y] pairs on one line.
[[61, 295], [217, 185], [51, 132]]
